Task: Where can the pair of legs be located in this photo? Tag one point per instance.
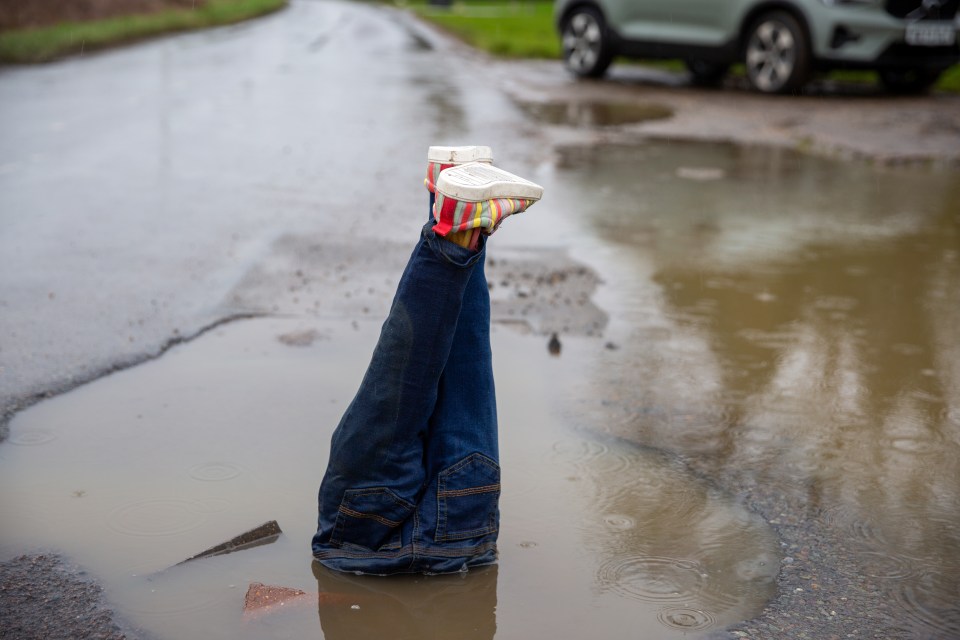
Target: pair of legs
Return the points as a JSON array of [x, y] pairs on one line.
[[413, 480]]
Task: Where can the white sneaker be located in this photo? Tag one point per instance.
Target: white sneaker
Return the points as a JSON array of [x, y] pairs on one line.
[[440, 158], [480, 196], [475, 182]]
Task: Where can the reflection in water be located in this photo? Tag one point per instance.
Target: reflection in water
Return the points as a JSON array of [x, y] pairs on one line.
[[461, 606], [798, 324], [594, 114], [699, 558]]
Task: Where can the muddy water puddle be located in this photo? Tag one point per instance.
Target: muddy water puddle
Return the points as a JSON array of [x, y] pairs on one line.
[[785, 323], [594, 114], [135, 472], [790, 323]]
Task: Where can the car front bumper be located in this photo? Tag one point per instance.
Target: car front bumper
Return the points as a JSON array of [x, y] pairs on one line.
[[872, 38]]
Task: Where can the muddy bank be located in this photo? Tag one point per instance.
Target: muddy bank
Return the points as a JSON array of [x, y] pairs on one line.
[[44, 597]]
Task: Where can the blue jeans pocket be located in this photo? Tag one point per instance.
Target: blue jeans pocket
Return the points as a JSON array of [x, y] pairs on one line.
[[467, 496], [370, 519]]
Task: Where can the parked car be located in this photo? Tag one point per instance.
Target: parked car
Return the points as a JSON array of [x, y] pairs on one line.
[[781, 42]]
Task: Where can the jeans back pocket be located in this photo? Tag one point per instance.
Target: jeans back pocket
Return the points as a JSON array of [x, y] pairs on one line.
[[370, 519], [467, 497]]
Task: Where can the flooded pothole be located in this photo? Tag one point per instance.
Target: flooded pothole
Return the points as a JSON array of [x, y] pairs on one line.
[[232, 429], [788, 323], [594, 114]]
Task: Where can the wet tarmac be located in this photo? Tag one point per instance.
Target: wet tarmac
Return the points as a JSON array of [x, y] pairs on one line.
[[728, 372]]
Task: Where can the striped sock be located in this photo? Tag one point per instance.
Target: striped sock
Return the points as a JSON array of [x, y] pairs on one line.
[[467, 239], [457, 215]]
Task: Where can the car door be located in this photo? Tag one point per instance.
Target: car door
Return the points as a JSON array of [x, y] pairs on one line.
[[694, 22]]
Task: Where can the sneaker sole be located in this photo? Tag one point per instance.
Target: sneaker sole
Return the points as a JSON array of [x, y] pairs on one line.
[[459, 155], [476, 182]]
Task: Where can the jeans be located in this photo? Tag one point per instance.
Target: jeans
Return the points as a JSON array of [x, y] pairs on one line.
[[413, 480]]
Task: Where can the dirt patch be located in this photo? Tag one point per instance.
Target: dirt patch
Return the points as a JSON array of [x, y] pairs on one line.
[[21, 14], [533, 290]]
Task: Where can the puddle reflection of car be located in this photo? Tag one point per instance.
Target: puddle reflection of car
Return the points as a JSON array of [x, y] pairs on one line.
[[781, 42]]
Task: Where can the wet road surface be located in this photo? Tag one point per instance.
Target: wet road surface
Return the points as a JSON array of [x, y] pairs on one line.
[[742, 332]]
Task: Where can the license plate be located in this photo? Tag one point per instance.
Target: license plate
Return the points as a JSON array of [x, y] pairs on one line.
[[931, 34]]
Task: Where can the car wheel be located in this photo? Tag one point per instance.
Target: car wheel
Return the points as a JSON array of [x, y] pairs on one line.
[[706, 74], [908, 81], [777, 55], [587, 49]]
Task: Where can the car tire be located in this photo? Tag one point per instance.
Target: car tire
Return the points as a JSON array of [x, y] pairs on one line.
[[706, 74], [776, 54], [587, 49], [908, 81]]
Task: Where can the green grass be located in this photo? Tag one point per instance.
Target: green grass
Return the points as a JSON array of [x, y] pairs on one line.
[[511, 29], [948, 82], [524, 29], [42, 44]]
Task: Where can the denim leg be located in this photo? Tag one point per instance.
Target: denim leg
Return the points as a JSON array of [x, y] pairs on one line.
[[458, 516], [376, 476]]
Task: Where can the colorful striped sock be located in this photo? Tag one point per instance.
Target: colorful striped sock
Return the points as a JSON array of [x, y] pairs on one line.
[[467, 239], [455, 215]]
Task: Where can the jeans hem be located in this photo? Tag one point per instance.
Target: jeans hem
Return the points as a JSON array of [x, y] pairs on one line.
[[409, 559]]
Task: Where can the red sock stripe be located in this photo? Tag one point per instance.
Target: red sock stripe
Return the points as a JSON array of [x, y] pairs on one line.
[[433, 174]]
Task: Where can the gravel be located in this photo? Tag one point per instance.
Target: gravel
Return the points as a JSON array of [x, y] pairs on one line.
[[44, 597]]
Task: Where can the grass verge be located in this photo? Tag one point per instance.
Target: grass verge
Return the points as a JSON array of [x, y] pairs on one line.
[[510, 29], [524, 29], [43, 44]]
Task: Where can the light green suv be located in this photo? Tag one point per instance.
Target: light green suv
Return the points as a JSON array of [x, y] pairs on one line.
[[781, 42]]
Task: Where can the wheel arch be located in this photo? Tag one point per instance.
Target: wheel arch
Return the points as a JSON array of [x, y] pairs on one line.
[[767, 7], [570, 7]]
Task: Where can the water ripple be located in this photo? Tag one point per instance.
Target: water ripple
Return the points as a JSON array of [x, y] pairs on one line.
[[930, 603], [619, 521], [162, 517], [215, 471], [686, 619], [597, 456], [652, 578], [878, 564]]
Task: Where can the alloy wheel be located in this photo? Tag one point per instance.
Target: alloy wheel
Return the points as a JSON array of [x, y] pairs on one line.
[[771, 55], [583, 44]]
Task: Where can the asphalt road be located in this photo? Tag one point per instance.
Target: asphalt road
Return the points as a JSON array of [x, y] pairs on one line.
[[138, 185]]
